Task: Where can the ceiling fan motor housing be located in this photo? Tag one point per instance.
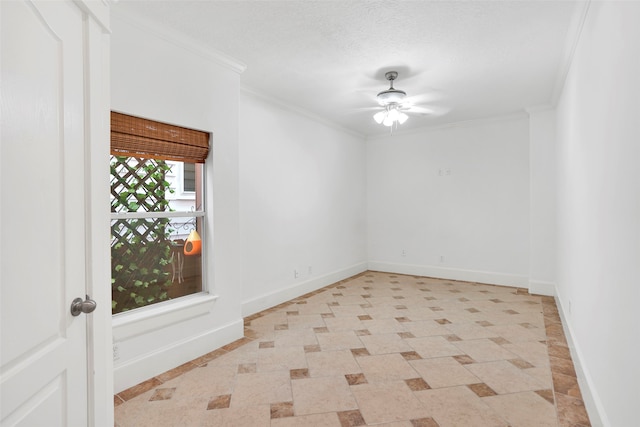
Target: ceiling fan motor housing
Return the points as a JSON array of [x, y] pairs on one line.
[[391, 95]]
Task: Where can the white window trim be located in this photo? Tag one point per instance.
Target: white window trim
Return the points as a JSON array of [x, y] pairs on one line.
[[162, 214]]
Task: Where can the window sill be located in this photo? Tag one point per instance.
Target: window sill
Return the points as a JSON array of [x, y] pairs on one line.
[[158, 316]]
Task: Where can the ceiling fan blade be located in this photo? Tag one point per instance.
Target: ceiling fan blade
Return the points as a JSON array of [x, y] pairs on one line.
[[369, 94], [364, 110], [426, 111], [423, 98]]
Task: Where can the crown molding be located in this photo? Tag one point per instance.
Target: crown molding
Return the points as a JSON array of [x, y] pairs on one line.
[[539, 108], [257, 94], [180, 40], [99, 11], [570, 46]]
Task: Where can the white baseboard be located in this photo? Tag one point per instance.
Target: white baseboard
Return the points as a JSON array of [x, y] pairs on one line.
[[540, 287], [263, 302], [488, 277], [148, 365], [592, 401]]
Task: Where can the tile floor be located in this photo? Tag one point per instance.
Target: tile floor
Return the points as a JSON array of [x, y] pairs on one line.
[[378, 349]]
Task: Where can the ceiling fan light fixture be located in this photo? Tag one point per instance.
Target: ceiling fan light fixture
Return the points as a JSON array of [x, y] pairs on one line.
[[390, 116], [379, 116]]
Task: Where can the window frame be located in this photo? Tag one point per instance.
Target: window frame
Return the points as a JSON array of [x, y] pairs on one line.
[[200, 216]]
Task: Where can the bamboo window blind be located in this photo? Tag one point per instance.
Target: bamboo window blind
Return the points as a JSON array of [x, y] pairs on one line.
[[137, 137]]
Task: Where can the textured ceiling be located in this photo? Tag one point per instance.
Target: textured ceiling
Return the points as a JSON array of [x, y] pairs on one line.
[[466, 59]]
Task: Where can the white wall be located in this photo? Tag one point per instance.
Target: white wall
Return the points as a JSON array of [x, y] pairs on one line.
[[599, 209], [454, 199], [542, 186], [161, 80], [302, 203]]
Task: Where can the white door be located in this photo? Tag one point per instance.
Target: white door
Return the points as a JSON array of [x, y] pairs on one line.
[[43, 215]]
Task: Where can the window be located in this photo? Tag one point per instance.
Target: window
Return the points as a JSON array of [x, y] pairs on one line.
[[156, 240], [189, 177], [183, 177]]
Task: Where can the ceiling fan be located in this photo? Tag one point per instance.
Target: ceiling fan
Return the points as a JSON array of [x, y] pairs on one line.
[[395, 105]]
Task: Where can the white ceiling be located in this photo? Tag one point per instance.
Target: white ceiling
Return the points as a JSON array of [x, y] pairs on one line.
[[467, 59]]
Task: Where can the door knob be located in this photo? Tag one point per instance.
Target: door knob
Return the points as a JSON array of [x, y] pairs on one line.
[[78, 306]]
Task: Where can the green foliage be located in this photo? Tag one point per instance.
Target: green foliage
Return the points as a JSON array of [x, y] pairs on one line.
[[140, 248]]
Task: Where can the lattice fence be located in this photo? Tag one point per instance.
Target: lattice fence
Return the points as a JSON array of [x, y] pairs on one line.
[[138, 185], [140, 247]]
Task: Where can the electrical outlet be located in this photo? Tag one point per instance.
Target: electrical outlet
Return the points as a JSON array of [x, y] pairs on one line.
[[310, 271], [441, 258], [296, 274], [116, 352], [403, 253]]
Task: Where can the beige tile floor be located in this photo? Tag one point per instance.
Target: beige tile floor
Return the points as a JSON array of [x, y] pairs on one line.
[[378, 349]]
